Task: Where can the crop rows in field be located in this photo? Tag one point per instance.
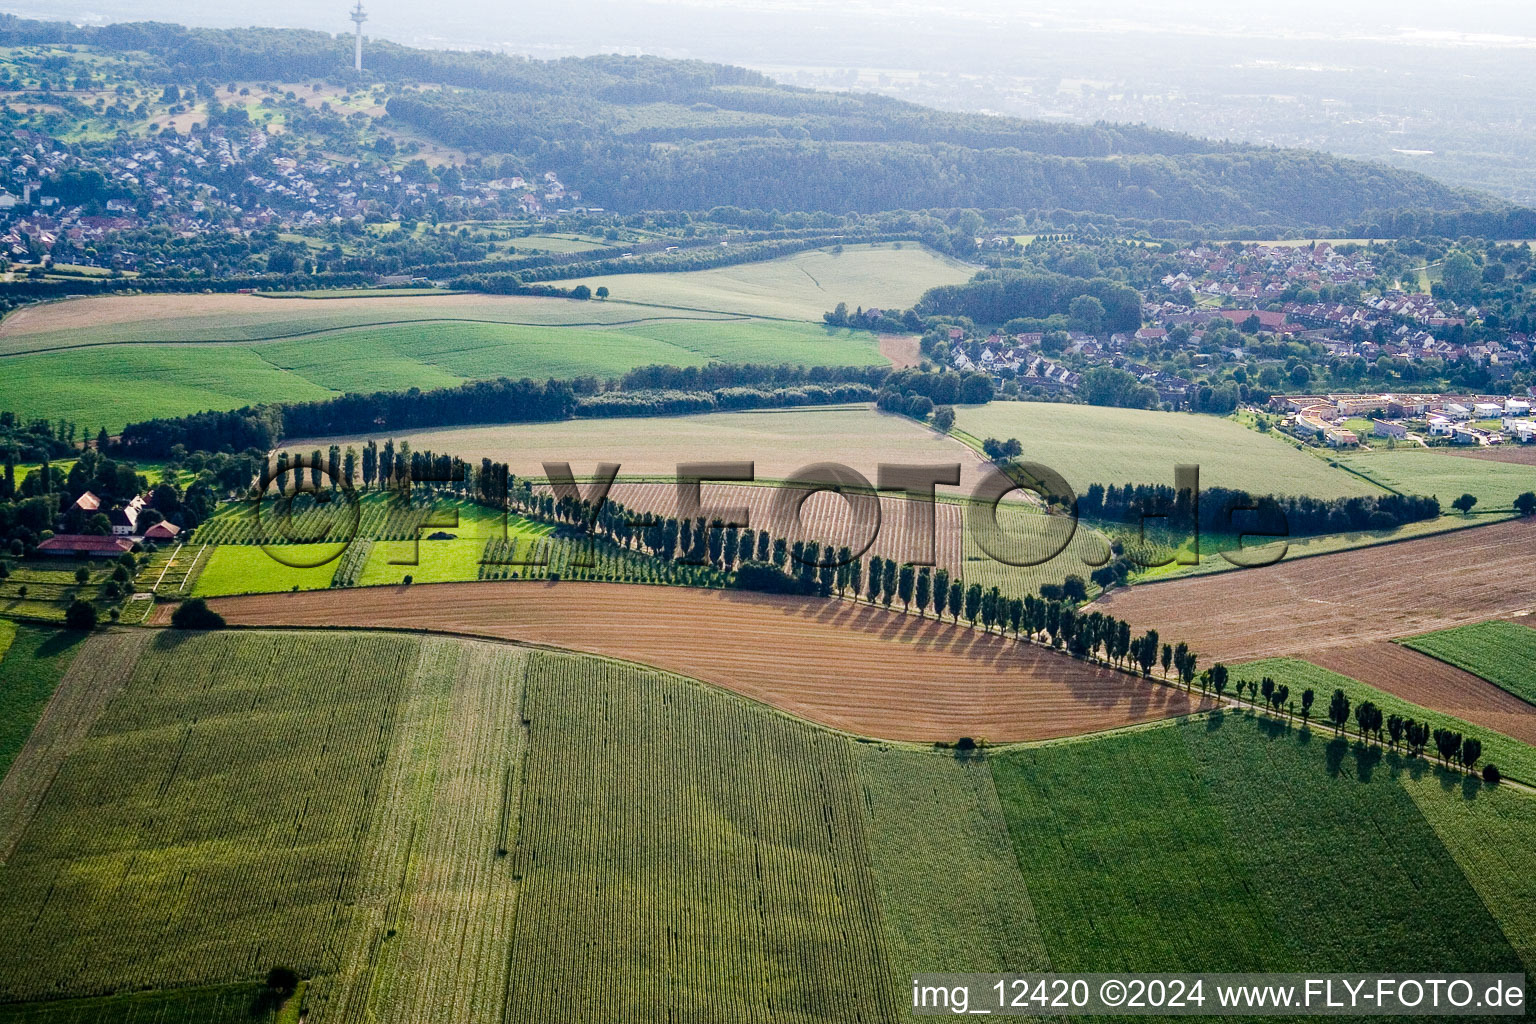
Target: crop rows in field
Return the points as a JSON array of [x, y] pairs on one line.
[[349, 568], [1028, 549], [306, 521], [437, 889], [757, 897], [220, 1004], [1206, 846], [169, 570], [150, 862]]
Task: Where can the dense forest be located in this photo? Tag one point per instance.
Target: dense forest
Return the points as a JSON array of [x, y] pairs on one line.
[[647, 134]]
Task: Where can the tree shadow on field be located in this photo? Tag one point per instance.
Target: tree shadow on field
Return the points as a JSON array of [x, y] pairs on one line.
[[59, 642], [1272, 728], [171, 639], [1367, 757], [1334, 755]]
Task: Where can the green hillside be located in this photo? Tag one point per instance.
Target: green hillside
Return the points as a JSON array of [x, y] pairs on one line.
[[653, 134]]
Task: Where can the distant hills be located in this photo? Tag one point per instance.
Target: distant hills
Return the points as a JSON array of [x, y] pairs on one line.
[[647, 133]]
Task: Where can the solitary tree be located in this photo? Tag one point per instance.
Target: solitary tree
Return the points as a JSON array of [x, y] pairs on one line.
[[1167, 658], [195, 614], [1307, 697], [80, 615], [1464, 503], [1525, 504]]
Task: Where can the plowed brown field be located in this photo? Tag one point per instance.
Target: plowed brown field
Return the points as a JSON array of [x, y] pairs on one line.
[[1338, 610], [903, 350], [853, 667]]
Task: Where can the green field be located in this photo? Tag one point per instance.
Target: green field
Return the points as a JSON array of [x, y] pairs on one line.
[[1224, 845], [1504, 653], [443, 354], [1444, 476], [217, 1004], [778, 441], [798, 287], [32, 661], [1514, 758], [136, 357], [237, 569], [1092, 444], [586, 835], [111, 386]]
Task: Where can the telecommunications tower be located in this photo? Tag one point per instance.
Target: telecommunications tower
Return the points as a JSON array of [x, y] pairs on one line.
[[357, 52]]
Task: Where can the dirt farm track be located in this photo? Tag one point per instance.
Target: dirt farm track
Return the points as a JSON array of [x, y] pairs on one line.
[[1340, 611], [854, 667]]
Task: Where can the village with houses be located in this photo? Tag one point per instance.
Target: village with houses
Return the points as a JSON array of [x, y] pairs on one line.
[[1422, 420], [1241, 310], [58, 206]]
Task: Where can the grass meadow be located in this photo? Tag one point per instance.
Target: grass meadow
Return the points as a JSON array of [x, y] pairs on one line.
[[1090, 444], [239, 569], [108, 361], [542, 814], [798, 287], [113, 385], [1444, 476], [1504, 653]]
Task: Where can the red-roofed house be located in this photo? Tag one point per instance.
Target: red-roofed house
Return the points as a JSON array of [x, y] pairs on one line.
[[75, 545], [162, 531], [88, 502]]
